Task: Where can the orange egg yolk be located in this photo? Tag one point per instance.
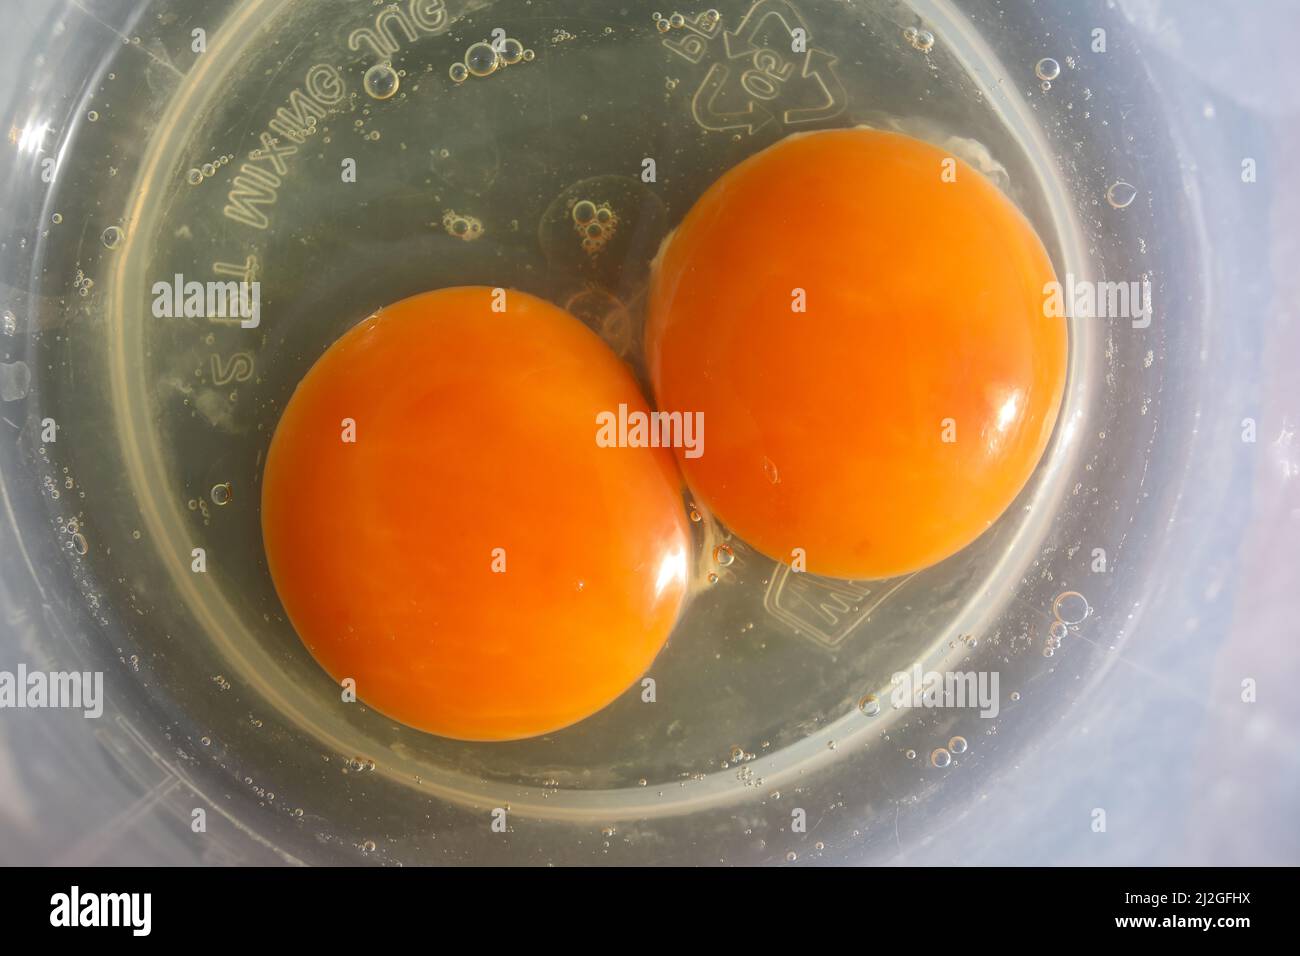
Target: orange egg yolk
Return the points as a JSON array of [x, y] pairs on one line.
[[442, 526], [860, 318]]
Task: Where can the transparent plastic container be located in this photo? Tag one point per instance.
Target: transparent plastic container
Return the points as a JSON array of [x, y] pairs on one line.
[[1140, 578]]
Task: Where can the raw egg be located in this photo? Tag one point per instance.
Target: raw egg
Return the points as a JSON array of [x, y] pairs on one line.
[[442, 526], [860, 318]]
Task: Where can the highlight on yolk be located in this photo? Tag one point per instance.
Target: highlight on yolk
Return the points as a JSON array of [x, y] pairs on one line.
[[860, 317], [473, 559]]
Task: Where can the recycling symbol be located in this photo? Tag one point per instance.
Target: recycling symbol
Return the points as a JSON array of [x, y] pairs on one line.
[[764, 71]]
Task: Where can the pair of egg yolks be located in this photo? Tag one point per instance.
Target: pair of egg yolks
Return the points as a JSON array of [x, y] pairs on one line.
[[864, 334], [473, 559]]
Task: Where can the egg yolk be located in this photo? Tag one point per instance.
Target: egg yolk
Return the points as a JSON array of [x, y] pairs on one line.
[[860, 318], [442, 526]]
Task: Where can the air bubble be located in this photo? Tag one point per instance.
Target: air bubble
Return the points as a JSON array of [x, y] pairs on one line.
[[56, 218], [528, 56], [512, 51], [194, 177], [584, 211], [957, 745], [940, 758], [111, 237], [922, 40], [461, 226], [1121, 194], [724, 555], [481, 59], [223, 493], [869, 705], [381, 81], [1071, 608], [1047, 69], [677, 21], [910, 754], [1058, 631], [209, 170], [458, 72], [92, 116]]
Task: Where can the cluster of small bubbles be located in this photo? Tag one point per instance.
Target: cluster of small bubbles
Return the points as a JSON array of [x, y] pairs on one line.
[[360, 764], [83, 283], [957, 745], [8, 323], [484, 59], [869, 705], [1069, 609], [1120, 194], [922, 40], [607, 832], [221, 682], [223, 493], [381, 81], [460, 226], [940, 758], [596, 224], [196, 175], [1047, 70], [112, 237], [724, 555]]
